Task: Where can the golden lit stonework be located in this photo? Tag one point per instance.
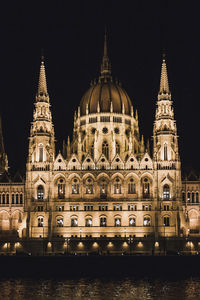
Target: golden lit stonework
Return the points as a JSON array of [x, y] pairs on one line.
[[106, 184]]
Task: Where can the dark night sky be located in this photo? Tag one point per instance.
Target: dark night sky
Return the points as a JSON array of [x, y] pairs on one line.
[[71, 33]]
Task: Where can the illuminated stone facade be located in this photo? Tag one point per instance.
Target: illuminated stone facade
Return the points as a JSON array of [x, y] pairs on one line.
[[105, 183]]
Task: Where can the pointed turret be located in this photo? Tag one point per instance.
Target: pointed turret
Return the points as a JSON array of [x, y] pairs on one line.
[[42, 93], [105, 65], [164, 92], [3, 155], [41, 146]]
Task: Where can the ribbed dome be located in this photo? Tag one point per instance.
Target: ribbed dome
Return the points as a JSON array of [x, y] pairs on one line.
[[105, 92]]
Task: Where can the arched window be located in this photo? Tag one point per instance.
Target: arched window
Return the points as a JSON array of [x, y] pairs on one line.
[[17, 198], [166, 221], [40, 153], [105, 149], [40, 192], [103, 188], [88, 222], [117, 148], [74, 222], [188, 197], [59, 221], [165, 152], [7, 198], [61, 189], [166, 191], [103, 222], [40, 221], [147, 221], [89, 186], [117, 222], [21, 198], [197, 197], [75, 186], [132, 222], [192, 197], [131, 187], [117, 186], [146, 188], [13, 198], [4, 199]]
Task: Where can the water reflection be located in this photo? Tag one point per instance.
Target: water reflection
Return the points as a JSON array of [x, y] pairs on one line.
[[99, 289]]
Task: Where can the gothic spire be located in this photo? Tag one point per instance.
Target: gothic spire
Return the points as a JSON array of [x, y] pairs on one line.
[[164, 85], [2, 149], [3, 155], [105, 65], [42, 85]]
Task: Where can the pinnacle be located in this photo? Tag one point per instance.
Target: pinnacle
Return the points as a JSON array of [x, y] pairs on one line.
[[105, 66], [164, 85], [42, 86]]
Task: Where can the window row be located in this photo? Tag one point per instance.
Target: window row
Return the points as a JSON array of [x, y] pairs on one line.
[[15, 198], [103, 221], [190, 197]]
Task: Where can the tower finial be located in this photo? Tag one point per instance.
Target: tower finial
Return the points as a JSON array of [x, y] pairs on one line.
[[105, 65], [164, 85], [42, 86]]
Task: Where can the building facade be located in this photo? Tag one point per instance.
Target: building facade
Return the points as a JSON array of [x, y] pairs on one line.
[[106, 183]]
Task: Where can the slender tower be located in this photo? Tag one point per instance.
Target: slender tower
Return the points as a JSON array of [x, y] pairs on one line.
[[166, 161], [41, 155], [3, 155]]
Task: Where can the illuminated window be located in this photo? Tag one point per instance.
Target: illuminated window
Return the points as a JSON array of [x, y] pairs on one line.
[[132, 207], [147, 221], [103, 222], [117, 222], [89, 188], [40, 222], [146, 188], [59, 222], [188, 197], [166, 221], [103, 188], [74, 222], [105, 149], [88, 222], [61, 189], [117, 188], [40, 192], [132, 222], [166, 191], [75, 187]]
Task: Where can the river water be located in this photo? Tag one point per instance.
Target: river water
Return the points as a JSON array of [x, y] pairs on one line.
[[126, 288]]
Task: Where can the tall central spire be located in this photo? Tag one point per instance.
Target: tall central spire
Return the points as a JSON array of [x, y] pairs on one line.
[[105, 65], [42, 86], [164, 85]]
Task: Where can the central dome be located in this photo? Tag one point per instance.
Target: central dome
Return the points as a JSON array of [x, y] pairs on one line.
[[106, 95]]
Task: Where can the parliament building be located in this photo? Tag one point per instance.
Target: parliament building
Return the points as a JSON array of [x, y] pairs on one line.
[[106, 190]]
